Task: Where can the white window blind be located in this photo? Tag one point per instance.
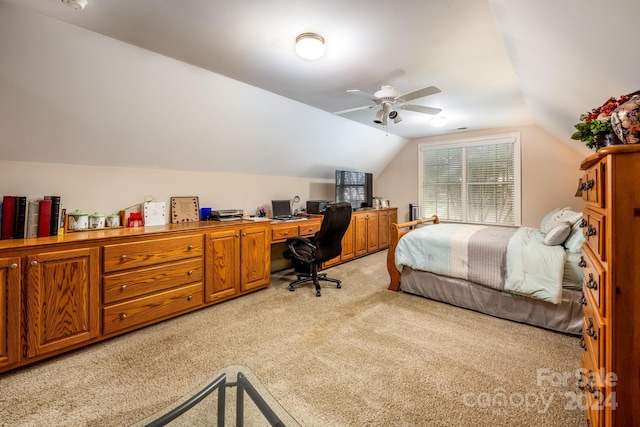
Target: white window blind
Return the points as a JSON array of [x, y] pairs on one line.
[[471, 180]]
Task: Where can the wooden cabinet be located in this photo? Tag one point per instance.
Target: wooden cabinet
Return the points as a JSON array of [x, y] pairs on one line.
[[150, 279], [10, 299], [368, 232], [64, 292], [62, 299], [611, 287], [237, 261]]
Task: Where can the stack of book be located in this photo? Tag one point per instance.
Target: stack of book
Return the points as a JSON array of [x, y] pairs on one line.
[[21, 218]]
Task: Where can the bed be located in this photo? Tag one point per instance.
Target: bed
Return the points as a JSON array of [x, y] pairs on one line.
[[522, 274]]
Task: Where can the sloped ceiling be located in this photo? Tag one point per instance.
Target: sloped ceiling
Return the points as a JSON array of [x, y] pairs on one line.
[[240, 100]]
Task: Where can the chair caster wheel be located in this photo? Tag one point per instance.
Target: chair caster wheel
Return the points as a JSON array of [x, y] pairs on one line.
[[318, 293], [338, 286], [292, 289]]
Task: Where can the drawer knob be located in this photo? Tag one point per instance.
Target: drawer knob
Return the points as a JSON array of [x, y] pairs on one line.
[[582, 263], [189, 298], [237, 235], [582, 300], [286, 233], [590, 331], [591, 231], [587, 185], [583, 223], [123, 287], [123, 257], [123, 316], [14, 265], [34, 262], [190, 272], [591, 284], [583, 345], [190, 247]]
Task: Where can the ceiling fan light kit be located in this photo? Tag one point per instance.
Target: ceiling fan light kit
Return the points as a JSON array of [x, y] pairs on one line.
[[309, 46], [76, 4]]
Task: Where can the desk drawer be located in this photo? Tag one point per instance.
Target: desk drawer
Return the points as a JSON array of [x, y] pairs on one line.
[[152, 308], [151, 252], [309, 229], [283, 233], [131, 284]]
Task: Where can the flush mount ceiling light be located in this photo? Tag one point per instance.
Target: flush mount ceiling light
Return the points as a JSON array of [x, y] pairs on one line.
[[310, 46], [75, 4], [438, 121]]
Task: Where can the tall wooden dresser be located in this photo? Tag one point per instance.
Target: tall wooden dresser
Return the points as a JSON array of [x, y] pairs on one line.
[[611, 262]]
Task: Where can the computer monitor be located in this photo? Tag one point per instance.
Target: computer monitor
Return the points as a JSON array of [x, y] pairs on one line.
[[281, 209]]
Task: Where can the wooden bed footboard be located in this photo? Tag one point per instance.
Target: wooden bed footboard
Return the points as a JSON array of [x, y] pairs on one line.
[[396, 232]]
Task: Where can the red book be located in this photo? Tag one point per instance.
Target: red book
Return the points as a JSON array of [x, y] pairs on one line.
[[8, 215], [44, 218]]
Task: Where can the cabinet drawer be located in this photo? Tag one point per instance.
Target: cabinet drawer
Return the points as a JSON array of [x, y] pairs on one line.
[[594, 233], [283, 233], [593, 334], [151, 252], [131, 284], [309, 229], [594, 284], [592, 186], [593, 393], [152, 308]]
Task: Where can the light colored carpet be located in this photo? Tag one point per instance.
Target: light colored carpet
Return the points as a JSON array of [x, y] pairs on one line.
[[357, 356]]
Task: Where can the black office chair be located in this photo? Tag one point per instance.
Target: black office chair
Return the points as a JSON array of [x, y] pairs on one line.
[[308, 253]]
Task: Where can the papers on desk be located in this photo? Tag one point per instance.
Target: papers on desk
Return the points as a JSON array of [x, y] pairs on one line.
[[257, 218]]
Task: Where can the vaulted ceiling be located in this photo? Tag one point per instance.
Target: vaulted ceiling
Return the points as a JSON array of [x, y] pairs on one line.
[[497, 62]]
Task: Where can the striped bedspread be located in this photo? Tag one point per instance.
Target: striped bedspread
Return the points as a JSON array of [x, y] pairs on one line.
[[508, 259]]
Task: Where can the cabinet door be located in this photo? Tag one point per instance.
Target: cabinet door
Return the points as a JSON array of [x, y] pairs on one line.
[[62, 299], [372, 232], [361, 234], [383, 227], [222, 264], [9, 310], [349, 242], [255, 258]]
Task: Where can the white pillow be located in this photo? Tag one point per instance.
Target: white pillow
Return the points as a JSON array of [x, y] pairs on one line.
[[575, 240], [558, 234], [547, 217], [563, 215]]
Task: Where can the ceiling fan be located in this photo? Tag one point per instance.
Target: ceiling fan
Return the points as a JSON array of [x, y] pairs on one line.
[[390, 100]]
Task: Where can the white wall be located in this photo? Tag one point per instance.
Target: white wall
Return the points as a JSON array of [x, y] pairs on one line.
[[110, 189], [550, 173], [68, 95]]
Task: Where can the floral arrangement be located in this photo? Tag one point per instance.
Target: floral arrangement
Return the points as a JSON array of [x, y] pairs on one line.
[[595, 125], [262, 211]]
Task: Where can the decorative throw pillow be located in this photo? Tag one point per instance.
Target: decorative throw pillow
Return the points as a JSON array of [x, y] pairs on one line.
[[563, 215], [558, 234]]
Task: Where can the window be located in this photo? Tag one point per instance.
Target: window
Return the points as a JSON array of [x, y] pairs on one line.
[[472, 180]]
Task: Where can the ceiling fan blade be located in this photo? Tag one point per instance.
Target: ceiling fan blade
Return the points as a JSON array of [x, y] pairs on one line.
[[420, 93], [354, 109], [364, 95], [421, 109]]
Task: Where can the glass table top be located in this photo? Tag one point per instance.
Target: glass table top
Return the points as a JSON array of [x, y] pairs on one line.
[[234, 396]]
